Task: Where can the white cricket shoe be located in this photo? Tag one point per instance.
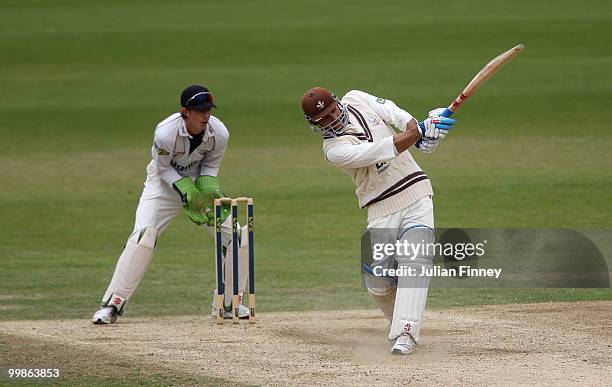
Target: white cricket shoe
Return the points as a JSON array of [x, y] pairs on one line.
[[404, 344], [243, 311], [105, 315]]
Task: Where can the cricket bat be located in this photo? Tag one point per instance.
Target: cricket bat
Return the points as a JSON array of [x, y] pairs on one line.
[[483, 75]]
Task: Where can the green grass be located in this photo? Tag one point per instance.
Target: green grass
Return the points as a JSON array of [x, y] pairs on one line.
[[85, 84]]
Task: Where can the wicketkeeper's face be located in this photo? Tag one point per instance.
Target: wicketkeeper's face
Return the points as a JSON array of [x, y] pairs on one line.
[[196, 121]]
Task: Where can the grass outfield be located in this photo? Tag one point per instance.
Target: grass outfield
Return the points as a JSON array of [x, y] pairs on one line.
[[83, 86]]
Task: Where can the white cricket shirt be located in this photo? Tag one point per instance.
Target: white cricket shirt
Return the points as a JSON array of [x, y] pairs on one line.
[[386, 181], [170, 151]]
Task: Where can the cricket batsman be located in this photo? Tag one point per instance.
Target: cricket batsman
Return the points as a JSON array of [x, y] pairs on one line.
[[359, 138], [187, 151]]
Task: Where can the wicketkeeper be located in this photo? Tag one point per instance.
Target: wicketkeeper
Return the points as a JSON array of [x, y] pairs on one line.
[[359, 138], [182, 176]]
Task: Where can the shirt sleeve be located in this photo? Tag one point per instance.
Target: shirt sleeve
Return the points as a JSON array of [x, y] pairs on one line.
[[212, 161], [163, 153], [347, 155], [387, 110]]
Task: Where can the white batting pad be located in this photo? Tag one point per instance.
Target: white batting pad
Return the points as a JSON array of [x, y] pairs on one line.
[[411, 293], [382, 290], [131, 266]]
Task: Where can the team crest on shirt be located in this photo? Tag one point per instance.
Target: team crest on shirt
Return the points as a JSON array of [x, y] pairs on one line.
[[161, 151], [373, 119]]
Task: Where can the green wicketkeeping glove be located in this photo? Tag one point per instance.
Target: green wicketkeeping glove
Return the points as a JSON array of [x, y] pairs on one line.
[[210, 190], [208, 187], [193, 202], [226, 210]]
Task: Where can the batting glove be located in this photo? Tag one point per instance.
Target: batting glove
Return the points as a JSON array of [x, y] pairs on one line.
[[428, 145], [435, 127], [433, 130], [436, 112]]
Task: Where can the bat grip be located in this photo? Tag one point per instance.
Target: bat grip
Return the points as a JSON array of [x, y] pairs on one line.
[[447, 113]]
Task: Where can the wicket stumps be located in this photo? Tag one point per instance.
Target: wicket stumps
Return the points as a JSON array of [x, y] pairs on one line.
[[220, 295]]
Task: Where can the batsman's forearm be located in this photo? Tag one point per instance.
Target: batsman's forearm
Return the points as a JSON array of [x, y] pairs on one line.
[[407, 138]]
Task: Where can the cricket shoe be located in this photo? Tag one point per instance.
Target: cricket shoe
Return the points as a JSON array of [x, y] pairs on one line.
[[404, 344], [243, 311], [105, 315]]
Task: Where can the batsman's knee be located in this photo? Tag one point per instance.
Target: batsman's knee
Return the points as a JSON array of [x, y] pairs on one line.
[[416, 246]]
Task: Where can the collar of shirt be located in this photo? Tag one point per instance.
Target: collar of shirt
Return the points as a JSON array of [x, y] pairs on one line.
[[208, 132]]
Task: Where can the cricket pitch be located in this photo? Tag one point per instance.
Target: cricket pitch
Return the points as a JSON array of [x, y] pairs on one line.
[[552, 343]]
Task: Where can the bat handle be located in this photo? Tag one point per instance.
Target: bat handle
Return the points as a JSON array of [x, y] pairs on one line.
[[447, 112]]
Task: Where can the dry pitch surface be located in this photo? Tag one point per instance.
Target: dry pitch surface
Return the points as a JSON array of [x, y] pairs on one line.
[[560, 343]]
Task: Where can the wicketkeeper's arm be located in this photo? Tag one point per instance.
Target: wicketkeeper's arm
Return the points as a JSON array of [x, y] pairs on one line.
[[212, 161], [162, 154]]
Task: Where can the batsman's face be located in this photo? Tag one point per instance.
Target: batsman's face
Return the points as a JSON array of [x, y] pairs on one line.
[[331, 119], [196, 121]]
